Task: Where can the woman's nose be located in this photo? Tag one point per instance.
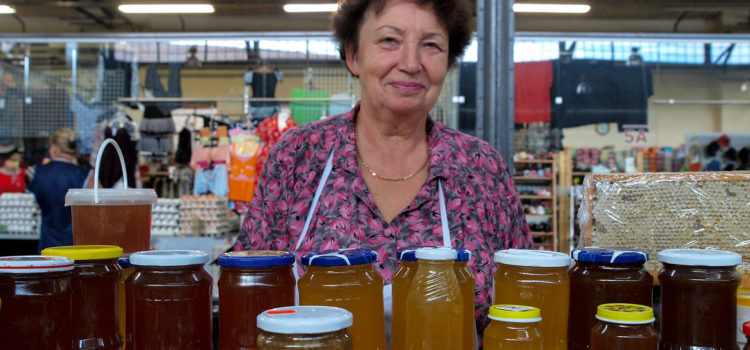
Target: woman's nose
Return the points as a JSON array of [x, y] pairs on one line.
[[410, 63]]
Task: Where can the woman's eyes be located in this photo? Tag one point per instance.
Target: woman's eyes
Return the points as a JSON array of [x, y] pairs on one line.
[[433, 45], [393, 42]]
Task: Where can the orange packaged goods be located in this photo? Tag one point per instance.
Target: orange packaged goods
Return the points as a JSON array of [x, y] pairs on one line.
[[466, 280], [601, 276], [37, 298], [305, 327], [513, 327], [625, 327], [94, 283], [400, 282], [539, 279], [347, 279], [127, 270], [250, 283], [434, 307], [169, 301], [699, 299], [120, 217]]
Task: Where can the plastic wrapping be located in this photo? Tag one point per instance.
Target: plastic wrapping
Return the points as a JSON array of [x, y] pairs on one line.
[[657, 211]]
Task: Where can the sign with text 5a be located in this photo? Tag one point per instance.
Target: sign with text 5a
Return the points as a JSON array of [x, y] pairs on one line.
[[635, 135]]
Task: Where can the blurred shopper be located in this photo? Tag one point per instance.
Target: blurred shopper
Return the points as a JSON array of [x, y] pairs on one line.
[[50, 184]]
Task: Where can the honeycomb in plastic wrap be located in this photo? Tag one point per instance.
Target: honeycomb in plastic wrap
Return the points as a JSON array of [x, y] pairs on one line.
[[668, 210]]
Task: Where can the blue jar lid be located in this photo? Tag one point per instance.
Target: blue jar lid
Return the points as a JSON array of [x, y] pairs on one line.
[[124, 262], [463, 254], [610, 255], [341, 257], [256, 258], [407, 253]]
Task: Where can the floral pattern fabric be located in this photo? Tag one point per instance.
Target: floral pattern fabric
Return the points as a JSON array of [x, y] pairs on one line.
[[484, 210]]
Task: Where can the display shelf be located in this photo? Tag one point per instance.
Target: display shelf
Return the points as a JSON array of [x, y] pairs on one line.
[[533, 178], [7, 236], [542, 234], [534, 161], [529, 196], [548, 167]]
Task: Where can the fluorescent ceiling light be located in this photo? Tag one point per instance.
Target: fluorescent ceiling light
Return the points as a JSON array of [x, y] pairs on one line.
[[7, 9], [167, 8], [311, 7], [551, 8]]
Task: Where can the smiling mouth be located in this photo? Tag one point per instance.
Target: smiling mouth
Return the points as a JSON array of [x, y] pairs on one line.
[[408, 86]]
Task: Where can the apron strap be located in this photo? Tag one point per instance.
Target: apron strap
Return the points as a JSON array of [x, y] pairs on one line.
[[444, 217], [318, 191]]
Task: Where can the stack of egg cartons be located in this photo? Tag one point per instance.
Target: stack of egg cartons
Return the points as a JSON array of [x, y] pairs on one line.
[[19, 214], [204, 215], [165, 217]]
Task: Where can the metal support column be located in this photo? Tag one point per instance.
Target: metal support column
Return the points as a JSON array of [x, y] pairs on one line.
[[495, 95]]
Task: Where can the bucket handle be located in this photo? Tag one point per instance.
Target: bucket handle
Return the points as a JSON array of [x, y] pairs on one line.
[[98, 162]]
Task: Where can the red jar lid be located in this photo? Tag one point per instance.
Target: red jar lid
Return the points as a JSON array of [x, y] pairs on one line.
[[746, 328]]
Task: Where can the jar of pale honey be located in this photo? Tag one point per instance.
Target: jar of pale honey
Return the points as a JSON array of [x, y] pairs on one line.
[[305, 327], [539, 279], [513, 327], [347, 279]]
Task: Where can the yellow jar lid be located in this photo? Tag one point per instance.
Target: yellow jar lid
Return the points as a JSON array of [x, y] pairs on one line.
[[515, 313], [743, 297], [85, 252], [625, 313]]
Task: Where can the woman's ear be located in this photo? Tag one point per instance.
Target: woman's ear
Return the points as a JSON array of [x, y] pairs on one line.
[[351, 61]]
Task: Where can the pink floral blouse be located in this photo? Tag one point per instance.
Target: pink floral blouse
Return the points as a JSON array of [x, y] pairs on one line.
[[484, 211]]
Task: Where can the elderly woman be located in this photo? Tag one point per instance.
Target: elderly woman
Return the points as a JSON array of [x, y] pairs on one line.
[[383, 169]]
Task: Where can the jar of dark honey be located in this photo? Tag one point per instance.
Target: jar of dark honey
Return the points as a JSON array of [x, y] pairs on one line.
[[624, 327], [95, 282], [699, 299], [601, 276], [169, 301], [250, 283], [37, 299]]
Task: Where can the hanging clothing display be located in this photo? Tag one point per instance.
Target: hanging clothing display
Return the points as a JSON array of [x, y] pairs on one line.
[[270, 131], [156, 131], [184, 147], [110, 169], [532, 83], [244, 174], [263, 82], [174, 88], [211, 180], [304, 112], [210, 165], [591, 92]]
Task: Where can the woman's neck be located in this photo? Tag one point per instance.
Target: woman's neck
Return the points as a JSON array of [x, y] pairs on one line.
[[390, 132]]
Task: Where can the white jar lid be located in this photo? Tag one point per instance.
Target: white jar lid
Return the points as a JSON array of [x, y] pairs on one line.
[[305, 320], [111, 196], [169, 258], [436, 253], [531, 258], [699, 257], [34, 264]]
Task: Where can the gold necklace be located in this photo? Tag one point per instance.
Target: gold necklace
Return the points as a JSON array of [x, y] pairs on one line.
[[373, 173]]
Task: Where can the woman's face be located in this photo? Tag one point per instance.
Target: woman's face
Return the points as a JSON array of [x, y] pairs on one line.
[[402, 58]]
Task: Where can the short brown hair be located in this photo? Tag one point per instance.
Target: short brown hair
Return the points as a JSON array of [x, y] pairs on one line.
[[455, 15]]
